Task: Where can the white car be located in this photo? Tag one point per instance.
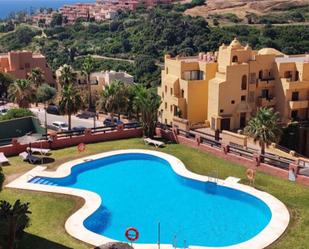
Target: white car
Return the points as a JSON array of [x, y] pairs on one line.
[[60, 126]]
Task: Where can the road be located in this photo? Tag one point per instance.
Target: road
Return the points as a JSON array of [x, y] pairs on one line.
[[88, 123]]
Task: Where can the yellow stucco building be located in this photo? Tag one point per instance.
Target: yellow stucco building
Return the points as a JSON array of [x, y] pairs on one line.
[[224, 89]]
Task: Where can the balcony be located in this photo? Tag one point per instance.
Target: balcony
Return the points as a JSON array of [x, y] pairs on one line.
[[289, 84], [300, 104], [266, 102], [265, 83]]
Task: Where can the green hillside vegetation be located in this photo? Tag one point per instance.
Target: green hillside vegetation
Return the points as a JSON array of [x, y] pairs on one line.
[[148, 35]]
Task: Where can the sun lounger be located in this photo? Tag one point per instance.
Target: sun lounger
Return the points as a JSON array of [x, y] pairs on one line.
[[156, 143], [30, 158], [41, 151], [3, 159]]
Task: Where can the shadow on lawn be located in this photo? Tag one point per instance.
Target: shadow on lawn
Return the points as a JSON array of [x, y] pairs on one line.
[[31, 241]]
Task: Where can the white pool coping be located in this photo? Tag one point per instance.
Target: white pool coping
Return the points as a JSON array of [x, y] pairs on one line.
[[74, 225]]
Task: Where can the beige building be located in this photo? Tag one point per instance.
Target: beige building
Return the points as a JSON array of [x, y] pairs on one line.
[[184, 89], [225, 89], [98, 80]]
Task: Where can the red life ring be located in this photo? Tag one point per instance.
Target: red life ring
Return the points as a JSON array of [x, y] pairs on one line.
[[81, 147], [132, 237]]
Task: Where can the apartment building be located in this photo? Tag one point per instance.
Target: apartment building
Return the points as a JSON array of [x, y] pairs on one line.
[[227, 90], [20, 63], [184, 89], [98, 80]]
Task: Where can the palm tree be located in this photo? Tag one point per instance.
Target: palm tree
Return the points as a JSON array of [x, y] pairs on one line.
[[148, 102], [5, 81], [113, 99], [264, 128], [71, 101], [36, 76], [13, 220], [22, 93], [87, 69], [67, 75]]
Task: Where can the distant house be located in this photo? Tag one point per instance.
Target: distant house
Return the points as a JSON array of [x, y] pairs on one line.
[[20, 63], [98, 80]]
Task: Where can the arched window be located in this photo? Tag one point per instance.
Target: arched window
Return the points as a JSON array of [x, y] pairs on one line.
[[261, 74], [244, 82], [235, 58]]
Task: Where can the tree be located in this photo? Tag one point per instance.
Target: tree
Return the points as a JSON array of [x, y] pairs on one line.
[[45, 93], [36, 76], [13, 220], [67, 75], [22, 93], [71, 101], [56, 20], [113, 98], [264, 128], [5, 81], [87, 69], [148, 102]]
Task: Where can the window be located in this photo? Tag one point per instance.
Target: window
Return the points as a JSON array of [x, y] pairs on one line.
[[294, 114], [171, 91], [162, 95], [265, 93], [166, 89], [235, 59], [243, 98], [287, 74], [296, 76], [193, 75], [233, 102], [295, 96], [182, 93], [244, 82], [261, 74], [166, 70], [221, 111], [165, 105], [171, 108]]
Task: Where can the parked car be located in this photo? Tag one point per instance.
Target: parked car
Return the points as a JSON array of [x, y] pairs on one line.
[[86, 114], [79, 129], [108, 122], [3, 111], [53, 109], [60, 126]]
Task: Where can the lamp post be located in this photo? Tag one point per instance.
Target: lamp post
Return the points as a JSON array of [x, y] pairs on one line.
[[45, 108]]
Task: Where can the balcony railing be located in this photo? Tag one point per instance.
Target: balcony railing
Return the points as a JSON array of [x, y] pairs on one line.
[[266, 102], [299, 104]]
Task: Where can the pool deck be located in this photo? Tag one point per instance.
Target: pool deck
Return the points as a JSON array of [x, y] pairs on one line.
[[74, 225]]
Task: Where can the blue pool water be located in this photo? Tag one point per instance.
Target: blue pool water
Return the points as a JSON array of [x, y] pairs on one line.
[[140, 190]]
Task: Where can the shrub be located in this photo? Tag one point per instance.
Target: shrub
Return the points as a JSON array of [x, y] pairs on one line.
[[16, 113]]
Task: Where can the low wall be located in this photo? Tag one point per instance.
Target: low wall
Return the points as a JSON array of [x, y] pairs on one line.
[[224, 153], [58, 142]]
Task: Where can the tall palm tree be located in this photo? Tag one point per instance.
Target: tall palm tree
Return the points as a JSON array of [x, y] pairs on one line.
[[113, 99], [5, 81], [148, 102], [71, 101], [36, 76], [22, 93], [264, 127], [87, 69], [67, 75]]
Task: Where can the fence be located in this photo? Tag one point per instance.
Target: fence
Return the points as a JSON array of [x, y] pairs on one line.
[[270, 163]]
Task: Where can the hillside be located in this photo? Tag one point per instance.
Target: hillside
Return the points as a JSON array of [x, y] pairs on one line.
[[281, 9]]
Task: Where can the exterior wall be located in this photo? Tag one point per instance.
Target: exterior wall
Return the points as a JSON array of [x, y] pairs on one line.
[[184, 89], [20, 63], [63, 142]]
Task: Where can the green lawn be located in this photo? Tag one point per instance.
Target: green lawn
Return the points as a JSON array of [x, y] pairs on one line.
[[50, 211]]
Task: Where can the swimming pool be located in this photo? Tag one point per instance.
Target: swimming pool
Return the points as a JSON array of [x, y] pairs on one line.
[[142, 188]]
